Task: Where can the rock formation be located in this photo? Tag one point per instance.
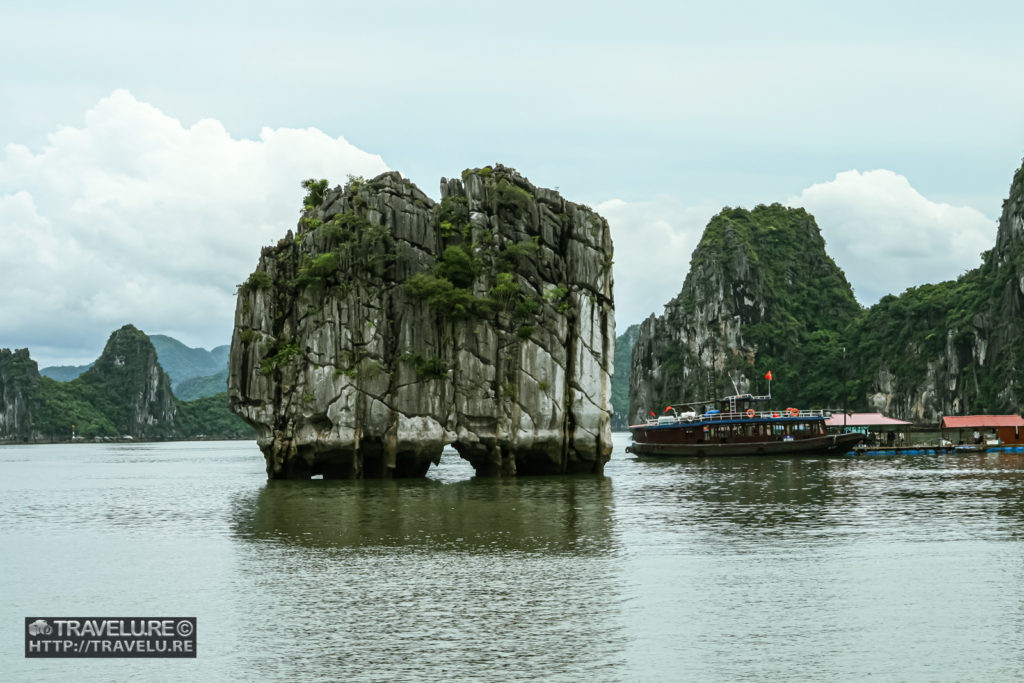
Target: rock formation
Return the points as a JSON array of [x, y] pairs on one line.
[[763, 295], [145, 406], [760, 291], [952, 348], [19, 382], [389, 325], [125, 393]]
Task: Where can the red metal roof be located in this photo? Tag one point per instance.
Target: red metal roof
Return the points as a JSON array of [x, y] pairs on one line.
[[863, 420], [984, 421]]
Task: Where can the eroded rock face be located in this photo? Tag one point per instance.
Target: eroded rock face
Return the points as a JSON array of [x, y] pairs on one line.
[[389, 325], [19, 381], [145, 406], [970, 359], [761, 290]]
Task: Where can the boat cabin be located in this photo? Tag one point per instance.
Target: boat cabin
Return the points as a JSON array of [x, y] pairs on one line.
[[733, 426], [733, 419]]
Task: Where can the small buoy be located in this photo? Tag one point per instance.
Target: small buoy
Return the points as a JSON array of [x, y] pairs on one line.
[[750, 412]]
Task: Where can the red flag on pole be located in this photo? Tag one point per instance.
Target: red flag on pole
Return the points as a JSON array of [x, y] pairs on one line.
[[652, 414], [768, 376], [667, 409]]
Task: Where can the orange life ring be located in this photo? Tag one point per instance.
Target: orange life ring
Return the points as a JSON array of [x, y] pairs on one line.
[[750, 412], [792, 411]]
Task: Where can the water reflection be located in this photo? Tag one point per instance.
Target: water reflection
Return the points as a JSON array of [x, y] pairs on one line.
[[736, 494], [529, 514], [965, 495], [474, 580]]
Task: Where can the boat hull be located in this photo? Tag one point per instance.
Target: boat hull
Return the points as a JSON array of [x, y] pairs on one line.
[[827, 444]]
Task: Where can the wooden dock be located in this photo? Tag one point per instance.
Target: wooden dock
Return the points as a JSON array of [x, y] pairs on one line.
[[932, 449]]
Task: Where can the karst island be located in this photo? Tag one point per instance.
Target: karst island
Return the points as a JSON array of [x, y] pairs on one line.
[[388, 325]]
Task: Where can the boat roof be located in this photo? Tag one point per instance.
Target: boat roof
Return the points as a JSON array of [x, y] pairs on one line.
[[863, 420], [777, 417], [985, 421]]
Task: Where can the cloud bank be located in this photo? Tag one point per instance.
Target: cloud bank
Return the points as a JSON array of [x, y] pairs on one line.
[[887, 237], [653, 243], [134, 217]]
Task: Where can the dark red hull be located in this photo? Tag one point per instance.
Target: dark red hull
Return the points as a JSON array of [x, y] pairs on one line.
[[826, 444]]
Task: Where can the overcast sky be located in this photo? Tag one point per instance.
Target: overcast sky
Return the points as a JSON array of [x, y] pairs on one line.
[[149, 152]]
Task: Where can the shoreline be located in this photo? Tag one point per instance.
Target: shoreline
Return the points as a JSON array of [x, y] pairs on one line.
[[117, 439]]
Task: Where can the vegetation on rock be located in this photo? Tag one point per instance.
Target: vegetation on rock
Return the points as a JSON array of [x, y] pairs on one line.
[[387, 325], [620, 377]]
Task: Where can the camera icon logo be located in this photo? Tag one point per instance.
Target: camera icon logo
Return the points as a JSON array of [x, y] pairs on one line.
[[39, 627]]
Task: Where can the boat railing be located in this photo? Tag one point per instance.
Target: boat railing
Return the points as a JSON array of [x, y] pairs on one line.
[[718, 416]]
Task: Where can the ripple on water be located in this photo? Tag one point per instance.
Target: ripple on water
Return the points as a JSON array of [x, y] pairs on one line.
[[703, 569]]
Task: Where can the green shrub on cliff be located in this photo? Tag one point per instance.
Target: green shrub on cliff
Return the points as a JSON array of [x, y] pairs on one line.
[[510, 197], [279, 354], [453, 212], [259, 279], [345, 242], [314, 192], [458, 267], [441, 293]]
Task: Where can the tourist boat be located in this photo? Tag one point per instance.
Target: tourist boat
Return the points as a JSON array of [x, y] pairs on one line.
[[733, 426]]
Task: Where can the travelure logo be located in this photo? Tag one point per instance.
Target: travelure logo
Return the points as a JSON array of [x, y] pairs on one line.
[[110, 636], [39, 627]]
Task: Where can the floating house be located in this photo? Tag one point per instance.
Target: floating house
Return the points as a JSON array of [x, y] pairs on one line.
[[985, 430], [877, 428]]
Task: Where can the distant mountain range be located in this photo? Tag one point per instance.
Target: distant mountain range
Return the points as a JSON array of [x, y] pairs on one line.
[[194, 372]]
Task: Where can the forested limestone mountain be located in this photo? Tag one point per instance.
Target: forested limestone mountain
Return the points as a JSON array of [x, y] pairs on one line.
[[620, 377], [762, 294], [19, 381], [125, 393], [389, 325], [194, 372], [951, 348]]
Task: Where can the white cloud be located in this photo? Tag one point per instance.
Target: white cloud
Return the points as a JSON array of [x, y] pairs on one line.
[[653, 243], [887, 237], [135, 218]]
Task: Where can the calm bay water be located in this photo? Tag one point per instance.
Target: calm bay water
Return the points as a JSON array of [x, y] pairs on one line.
[[897, 567]]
